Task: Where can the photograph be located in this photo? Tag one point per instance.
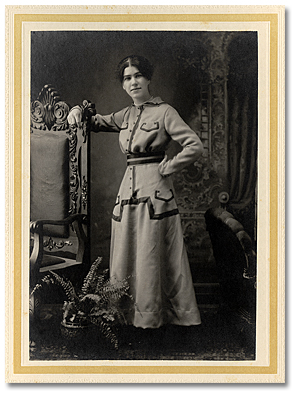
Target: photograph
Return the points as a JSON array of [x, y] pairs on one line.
[[147, 208]]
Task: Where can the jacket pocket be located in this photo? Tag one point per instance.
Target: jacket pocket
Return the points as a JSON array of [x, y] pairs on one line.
[[162, 196], [150, 126], [164, 203]]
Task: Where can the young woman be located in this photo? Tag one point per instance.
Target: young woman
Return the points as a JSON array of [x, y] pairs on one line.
[[147, 241]]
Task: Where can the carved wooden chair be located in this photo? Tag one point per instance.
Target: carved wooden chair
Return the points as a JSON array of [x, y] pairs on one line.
[[236, 262], [59, 190]]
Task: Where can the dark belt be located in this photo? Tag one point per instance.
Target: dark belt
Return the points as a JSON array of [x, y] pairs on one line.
[[143, 158]]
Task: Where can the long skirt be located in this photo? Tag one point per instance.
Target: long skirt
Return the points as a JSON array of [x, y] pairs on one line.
[[147, 247]]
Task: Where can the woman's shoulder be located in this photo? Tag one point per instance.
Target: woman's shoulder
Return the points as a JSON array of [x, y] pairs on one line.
[[160, 104], [157, 101], [123, 111]]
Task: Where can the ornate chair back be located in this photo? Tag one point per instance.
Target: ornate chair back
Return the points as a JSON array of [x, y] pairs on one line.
[[59, 186]]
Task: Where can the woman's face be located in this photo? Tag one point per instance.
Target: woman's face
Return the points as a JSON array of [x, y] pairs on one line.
[[136, 85]]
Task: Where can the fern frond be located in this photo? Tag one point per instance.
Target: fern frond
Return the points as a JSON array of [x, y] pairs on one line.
[[101, 280], [106, 331], [117, 313], [46, 280], [93, 297], [66, 285], [115, 291], [90, 278]]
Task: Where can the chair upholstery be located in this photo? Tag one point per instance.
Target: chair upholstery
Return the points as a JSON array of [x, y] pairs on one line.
[[49, 178], [59, 178]]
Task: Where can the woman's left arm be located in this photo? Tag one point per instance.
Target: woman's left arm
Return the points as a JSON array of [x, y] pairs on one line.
[[192, 146]]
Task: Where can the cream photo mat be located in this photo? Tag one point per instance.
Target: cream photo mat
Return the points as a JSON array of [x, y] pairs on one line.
[[268, 21]]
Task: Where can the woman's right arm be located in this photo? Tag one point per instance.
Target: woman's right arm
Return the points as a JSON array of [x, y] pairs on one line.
[[110, 123]]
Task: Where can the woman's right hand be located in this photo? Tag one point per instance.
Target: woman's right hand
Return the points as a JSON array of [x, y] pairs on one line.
[[75, 116]]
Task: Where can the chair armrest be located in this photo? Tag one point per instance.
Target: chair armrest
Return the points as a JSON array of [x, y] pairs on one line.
[[36, 228], [218, 219], [67, 221]]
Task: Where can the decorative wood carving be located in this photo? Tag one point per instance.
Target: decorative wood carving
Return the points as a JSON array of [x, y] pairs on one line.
[[74, 178], [79, 141], [49, 113], [51, 244], [84, 193]]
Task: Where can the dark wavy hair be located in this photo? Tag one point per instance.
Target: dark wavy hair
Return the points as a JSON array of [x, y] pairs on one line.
[[141, 63]]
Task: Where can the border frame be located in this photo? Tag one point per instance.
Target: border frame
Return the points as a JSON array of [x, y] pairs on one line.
[[16, 372]]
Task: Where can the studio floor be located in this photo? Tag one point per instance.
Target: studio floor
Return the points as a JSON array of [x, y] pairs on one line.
[[220, 337]]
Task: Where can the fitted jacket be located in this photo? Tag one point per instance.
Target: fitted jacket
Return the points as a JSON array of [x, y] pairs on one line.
[[149, 128]]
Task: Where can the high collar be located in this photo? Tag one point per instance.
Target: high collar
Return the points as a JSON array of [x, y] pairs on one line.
[[151, 101]]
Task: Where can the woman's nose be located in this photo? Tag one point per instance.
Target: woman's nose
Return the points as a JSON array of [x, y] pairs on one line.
[[134, 81]]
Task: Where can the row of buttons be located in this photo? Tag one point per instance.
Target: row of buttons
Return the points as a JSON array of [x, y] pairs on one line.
[[134, 126], [131, 178]]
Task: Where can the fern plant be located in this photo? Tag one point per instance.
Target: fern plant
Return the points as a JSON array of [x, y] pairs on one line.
[[98, 302]]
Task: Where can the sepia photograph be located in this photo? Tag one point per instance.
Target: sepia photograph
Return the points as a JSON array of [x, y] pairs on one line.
[[146, 194]]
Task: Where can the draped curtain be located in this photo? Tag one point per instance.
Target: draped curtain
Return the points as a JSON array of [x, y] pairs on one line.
[[243, 129]]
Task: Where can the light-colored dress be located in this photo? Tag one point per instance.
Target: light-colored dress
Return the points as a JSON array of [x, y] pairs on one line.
[[147, 241]]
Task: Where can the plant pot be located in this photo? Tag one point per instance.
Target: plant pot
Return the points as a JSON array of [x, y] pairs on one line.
[[83, 339], [74, 330]]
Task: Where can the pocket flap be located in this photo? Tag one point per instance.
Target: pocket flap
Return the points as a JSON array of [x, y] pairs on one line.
[[150, 126], [165, 196], [124, 126]]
